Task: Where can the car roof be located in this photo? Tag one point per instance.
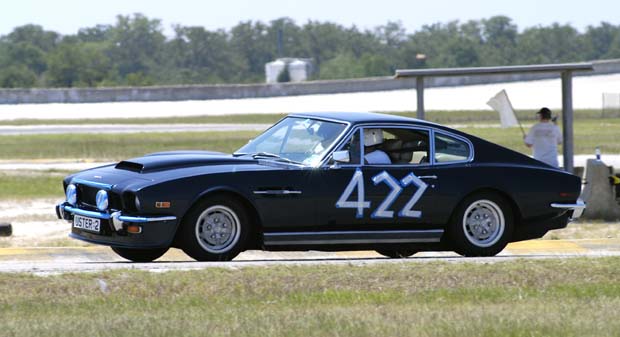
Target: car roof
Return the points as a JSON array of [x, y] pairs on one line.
[[362, 117]]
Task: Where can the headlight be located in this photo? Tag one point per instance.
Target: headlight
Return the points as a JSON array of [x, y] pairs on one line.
[[71, 194], [137, 203], [102, 200]]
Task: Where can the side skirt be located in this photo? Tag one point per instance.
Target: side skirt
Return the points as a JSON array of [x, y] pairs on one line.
[[352, 237]]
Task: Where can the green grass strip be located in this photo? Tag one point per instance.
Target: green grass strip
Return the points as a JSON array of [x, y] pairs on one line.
[[556, 297], [104, 147], [29, 185], [228, 119], [589, 133], [437, 116]]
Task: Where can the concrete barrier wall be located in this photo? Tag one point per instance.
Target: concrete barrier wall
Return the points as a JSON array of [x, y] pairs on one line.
[[236, 91]]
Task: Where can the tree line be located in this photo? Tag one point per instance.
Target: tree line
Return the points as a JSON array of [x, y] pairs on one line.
[[135, 52]]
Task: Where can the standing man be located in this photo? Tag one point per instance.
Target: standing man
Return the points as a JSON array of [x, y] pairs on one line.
[[544, 137]]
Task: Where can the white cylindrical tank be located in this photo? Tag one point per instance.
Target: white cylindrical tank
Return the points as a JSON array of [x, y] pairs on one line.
[[298, 70], [273, 69]]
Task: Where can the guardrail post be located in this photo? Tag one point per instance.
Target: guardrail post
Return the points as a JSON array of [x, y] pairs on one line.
[[567, 120], [419, 85]]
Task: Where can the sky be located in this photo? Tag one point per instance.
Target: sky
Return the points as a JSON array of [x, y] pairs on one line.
[[67, 16]]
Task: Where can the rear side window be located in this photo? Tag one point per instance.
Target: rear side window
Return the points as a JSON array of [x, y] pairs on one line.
[[449, 149]]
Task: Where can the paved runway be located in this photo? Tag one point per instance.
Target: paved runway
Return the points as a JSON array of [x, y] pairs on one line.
[[96, 258], [587, 93], [9, 130]]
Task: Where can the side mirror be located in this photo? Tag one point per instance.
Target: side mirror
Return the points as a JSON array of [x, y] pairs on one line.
[[341, 157]]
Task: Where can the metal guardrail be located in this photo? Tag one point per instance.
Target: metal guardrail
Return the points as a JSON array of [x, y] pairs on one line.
[[238, 91]]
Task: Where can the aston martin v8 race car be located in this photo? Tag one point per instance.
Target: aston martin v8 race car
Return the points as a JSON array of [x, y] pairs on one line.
[[324, 181]]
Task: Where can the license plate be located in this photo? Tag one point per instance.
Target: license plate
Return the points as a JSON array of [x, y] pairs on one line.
[[87, 224]]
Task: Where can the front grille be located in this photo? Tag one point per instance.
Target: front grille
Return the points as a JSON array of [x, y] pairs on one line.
[[87, 198]]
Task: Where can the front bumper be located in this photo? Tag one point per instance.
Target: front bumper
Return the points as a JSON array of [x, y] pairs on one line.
[[156, 231], [577, 208]]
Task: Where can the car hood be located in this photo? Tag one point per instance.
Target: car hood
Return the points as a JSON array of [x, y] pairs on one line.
[[137, 173], [179, 159]]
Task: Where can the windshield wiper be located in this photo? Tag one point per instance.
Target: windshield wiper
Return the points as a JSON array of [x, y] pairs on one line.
[[274, 156]]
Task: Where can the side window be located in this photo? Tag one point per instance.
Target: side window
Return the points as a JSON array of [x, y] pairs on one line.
[[396, 146], [353, 146], [449, 149]]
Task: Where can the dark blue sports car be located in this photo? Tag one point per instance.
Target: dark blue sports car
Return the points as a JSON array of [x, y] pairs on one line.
[[324, 181]]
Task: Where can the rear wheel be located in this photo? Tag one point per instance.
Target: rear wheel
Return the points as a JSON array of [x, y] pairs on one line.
[[140, 255], [482, 225], [216, 229], [396, 253]]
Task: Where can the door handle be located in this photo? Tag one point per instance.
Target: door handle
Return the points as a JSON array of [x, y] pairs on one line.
[[428, 177]]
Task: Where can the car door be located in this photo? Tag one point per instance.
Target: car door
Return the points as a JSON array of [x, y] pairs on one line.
[[381, 196], [431, 180], [285, 198], [284, 190]]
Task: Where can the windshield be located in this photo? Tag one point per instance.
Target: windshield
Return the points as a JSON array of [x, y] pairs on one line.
[[296, 139]]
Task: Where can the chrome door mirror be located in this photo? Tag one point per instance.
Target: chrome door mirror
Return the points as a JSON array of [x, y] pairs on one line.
[[341, 157]]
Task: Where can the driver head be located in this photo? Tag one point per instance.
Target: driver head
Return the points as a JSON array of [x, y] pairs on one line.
[[373, 137]]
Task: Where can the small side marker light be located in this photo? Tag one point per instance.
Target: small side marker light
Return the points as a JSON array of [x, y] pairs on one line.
[[162, 204], [134, 229]]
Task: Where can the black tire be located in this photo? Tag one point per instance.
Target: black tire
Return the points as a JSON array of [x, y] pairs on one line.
[[482, 225], [140, 255], [216, 229], [396, 253]]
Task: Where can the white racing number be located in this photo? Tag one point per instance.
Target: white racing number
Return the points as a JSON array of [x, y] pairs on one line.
[[360, 204], [382, 211], [408, 211], [396, 187]]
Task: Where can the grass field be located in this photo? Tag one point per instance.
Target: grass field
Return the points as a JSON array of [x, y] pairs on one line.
[[104, 147], [232, 119], [574, 297], [31, 185], [589, 133]]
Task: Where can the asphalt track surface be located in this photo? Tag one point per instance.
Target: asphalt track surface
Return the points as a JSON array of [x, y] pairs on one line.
[[58, 260], [587, 93]]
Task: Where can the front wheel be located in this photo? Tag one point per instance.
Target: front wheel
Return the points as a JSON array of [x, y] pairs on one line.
[[482, 225], [216, 229], [140, 255]]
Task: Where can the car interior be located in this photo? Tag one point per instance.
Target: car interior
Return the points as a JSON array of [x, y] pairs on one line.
[[406, 146], [403, 146]]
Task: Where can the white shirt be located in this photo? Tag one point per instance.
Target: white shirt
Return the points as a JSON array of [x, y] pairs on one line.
[[544, 138], [377, 157]]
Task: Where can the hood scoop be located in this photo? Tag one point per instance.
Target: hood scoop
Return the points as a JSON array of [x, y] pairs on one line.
[[171, 161], [130, 166]]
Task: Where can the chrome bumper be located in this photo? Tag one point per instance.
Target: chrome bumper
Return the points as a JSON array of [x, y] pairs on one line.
[[577, 208], [117, 217]]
